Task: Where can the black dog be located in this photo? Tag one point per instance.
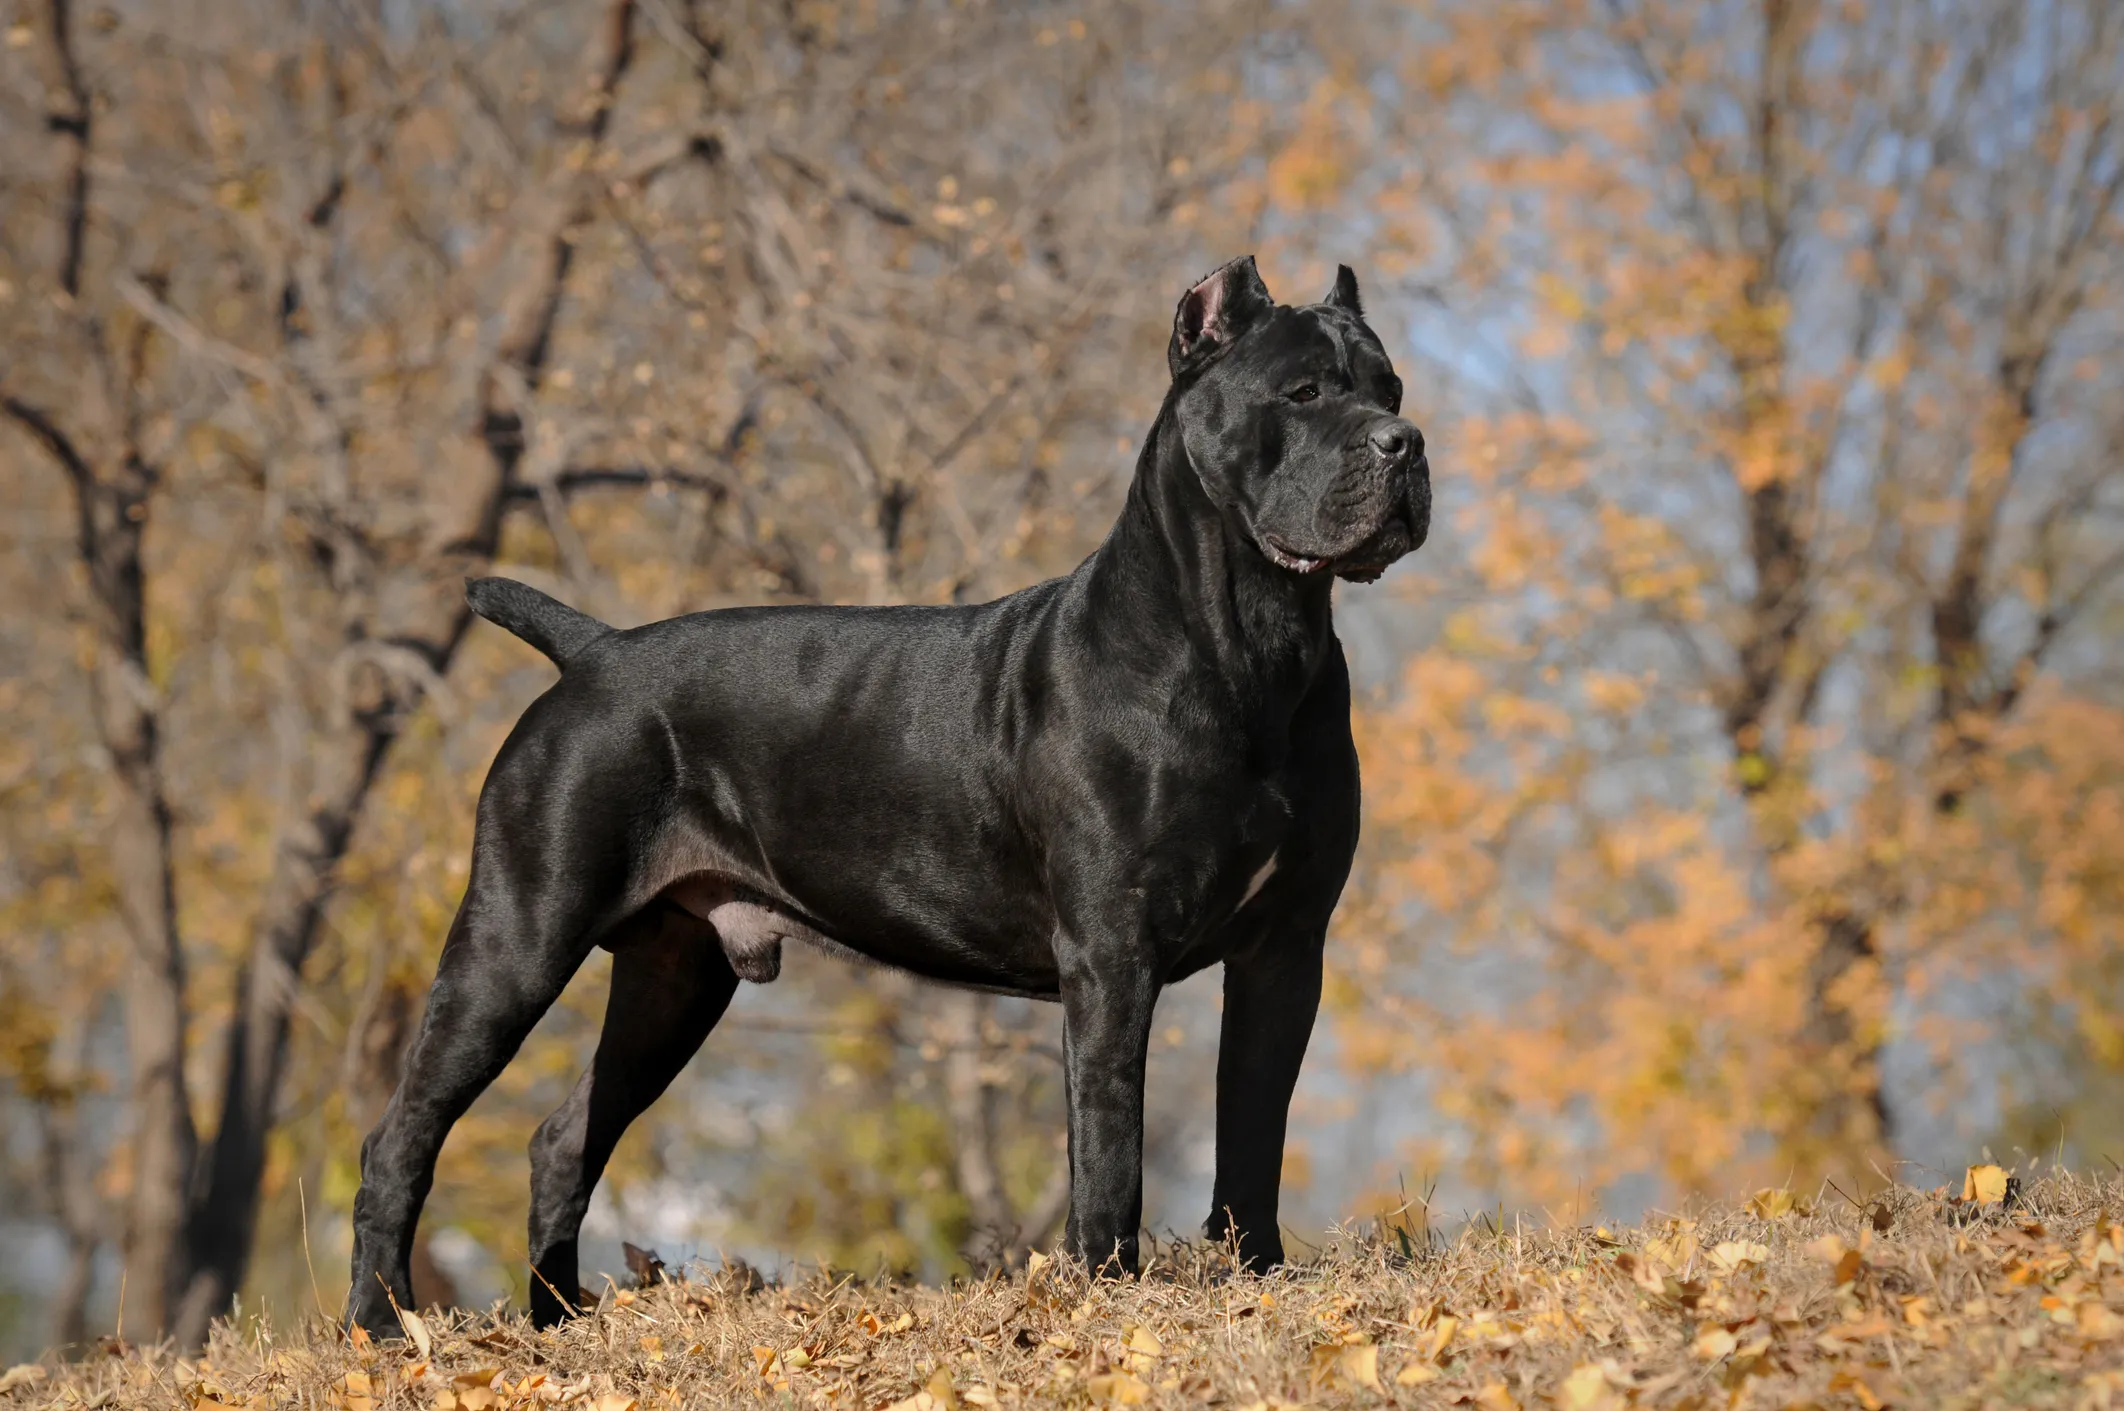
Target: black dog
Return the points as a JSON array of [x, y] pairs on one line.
[[1084, 792]]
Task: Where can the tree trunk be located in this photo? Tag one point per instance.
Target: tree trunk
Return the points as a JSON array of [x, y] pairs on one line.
[[970, 1105], [999, 1229], [164, 1142], [71, 1190], [70, 1322], [1851, 1112], [224, 1217], [111, 484], [111, 508]]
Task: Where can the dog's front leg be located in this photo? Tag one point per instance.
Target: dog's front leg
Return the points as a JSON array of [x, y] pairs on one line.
[[1108, 993], [1271, 994]]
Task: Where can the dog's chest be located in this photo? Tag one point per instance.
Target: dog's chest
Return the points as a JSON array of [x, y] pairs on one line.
[[1246, 851]]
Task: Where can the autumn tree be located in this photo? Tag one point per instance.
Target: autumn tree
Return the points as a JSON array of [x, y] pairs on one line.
[[311, 315], [1782, 342]]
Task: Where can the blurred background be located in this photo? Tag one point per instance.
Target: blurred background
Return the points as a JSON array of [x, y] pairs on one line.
[[1744, 756]]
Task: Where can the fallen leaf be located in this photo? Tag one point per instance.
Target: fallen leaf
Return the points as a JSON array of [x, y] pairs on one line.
[[1984, 1184], [1844, 1260], [477, 1377], [1745, 1362], [1774, 1203], [1675, 1252], [1035, 1261], [1359, 1366], [417, 1330], [1715, 1342], [1734, 1255], [22, 1374], [1441, 1334], [1347, 1365], [2102, 1390], [1496, 1398], [2097, 1322], [353, 1393], [1858, 1387], [1143, 1340], [646, 1265], [1119, 1389], [1839, 1336], [616, 1401], [1416, 1374], [1587, 1389]]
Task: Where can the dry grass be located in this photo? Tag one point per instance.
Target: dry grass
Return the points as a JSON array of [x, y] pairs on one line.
[[1916, 1301]]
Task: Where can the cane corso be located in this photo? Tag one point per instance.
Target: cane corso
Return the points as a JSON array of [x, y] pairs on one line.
[[1082, 792]]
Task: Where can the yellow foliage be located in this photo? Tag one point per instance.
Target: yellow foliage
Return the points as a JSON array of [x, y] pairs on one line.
[[1315, 163], [1985, 1184]]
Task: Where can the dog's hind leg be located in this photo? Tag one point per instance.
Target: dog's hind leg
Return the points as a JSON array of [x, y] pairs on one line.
[[490, 989], [552, 860], [670, 984]]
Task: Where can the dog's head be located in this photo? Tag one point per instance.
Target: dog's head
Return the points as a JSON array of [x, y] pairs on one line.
[[1292, 417]]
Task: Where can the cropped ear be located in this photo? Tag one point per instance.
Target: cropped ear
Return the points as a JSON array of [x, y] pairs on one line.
[[1344, 294], [1216, 311]]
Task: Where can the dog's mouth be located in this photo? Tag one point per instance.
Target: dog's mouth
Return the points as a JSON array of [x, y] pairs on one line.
[[1284, 556], [1362, 564], [1393, 541], [1403, 525]]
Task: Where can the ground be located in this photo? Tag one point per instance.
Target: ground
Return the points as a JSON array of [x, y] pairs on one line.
[[1910, 1299]]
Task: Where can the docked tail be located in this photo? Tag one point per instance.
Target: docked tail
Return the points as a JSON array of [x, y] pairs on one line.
[[546, 623]]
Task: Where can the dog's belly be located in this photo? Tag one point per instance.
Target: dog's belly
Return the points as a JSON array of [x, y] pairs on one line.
[[752, 929]]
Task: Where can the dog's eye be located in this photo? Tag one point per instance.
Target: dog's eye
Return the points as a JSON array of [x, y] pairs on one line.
[[1305, 393]]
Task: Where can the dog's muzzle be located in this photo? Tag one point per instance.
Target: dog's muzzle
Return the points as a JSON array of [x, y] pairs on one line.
[[1382, 497], [1399, 449]]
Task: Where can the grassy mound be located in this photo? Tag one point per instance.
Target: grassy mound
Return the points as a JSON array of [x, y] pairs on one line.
[[1920, 1299]]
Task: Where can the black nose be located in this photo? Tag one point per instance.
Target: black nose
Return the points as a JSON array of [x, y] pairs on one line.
[[1396, 441]]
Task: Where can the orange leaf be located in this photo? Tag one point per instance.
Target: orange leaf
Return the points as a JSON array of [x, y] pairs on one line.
[[1985, 1184]]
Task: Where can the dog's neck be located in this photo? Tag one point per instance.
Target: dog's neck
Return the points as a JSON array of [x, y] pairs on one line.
[[1209, 590]]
